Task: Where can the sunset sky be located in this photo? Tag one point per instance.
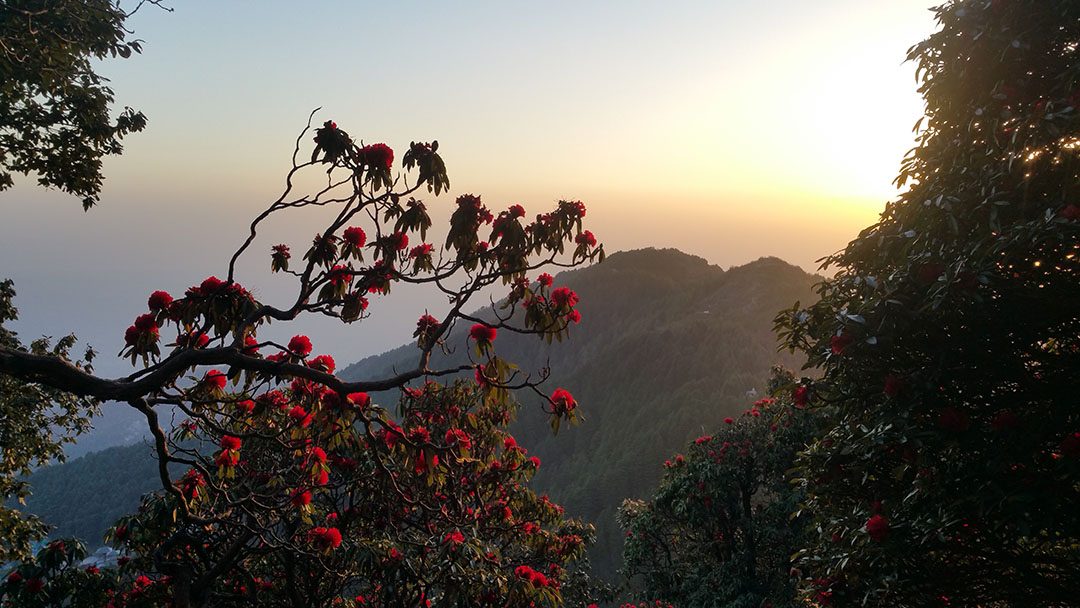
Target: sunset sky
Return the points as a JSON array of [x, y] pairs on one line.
[[730, 129]]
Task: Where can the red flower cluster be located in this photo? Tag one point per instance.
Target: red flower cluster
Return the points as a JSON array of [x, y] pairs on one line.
[[300, 498], [586, 238], [545, 279], [483, 334], [159, 301], [323, 363], [877, 527], [517, 211], [325, 539], [454, 538], [421, 250], [837, 344], [300, 345], [354, 236], [575, 209], [563, 401], [360, 400], [215, 380], [564, 297], [459, 438], [143, 332], [378, 156], [190, 483], [536, 579], [228, 442]]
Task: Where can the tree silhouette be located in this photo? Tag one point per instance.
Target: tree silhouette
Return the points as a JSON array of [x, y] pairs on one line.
[[300, 489], [948, 337]]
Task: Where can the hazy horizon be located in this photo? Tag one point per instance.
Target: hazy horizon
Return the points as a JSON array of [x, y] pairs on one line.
[[727, 130]]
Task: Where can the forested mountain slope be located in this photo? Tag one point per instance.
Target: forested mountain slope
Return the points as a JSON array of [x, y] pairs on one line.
[[668, 347]]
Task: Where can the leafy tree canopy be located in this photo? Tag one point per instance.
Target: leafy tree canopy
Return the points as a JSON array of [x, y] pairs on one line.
[[948, 337], [55, 110]]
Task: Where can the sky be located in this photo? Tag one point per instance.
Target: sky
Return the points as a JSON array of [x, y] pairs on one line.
[[729, 129]]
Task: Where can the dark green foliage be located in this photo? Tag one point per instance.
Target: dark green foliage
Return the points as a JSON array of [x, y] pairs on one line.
[[54, 108], [720, 531], [35, 423], [949, 337]]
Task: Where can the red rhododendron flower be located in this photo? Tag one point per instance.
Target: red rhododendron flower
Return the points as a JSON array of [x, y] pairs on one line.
[[586, 238], [325, 539], [801, 395], [454, 538], [377, 155], [729, 420], [355, 236], [227, 459], [517, 211], [34, 585], [877, 527], [459, 438], [300, 416], [210, 285], [545, 279], [564, 297], [323, 363], [14, 577], [146, 323], [246, 406], [837, 344], [300, 498], [563, 400], [159, 301], [300, 345], [228, 442], [251, 346], [482, 333], [339, 275], [420, 250], [360, 400], [215, 379], [574, 316], [534, 461], [426, 324]]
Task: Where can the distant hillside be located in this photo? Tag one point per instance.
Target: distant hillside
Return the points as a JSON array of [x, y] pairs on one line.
[[668, 346], [86, 495]]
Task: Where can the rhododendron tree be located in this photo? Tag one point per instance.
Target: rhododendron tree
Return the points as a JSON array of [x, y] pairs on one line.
[[719, 530], [299, 488], [949, 337]]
